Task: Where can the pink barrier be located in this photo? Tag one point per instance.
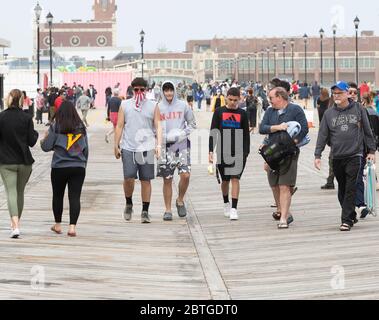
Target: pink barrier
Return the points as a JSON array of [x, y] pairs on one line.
[[101, 80]]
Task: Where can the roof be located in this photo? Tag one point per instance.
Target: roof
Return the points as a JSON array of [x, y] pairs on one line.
[[4, 43], [90, 54]]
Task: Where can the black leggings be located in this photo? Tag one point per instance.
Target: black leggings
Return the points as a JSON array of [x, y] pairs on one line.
[[74, 178]]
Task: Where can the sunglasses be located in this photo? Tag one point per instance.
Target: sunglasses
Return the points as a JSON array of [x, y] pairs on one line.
[[139, 90], [353, 92]]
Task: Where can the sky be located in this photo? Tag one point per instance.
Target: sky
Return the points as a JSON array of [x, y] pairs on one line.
[[170, 23]]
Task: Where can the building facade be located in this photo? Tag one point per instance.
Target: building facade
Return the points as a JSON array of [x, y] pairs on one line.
[[248, 59], [101, 32], [264, 58]]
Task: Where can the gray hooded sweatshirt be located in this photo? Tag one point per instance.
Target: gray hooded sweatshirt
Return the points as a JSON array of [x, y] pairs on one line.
[[70, 150], [177, 119], [347, 130]]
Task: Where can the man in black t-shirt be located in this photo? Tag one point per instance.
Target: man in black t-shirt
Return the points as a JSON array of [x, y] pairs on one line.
[[230, 137]]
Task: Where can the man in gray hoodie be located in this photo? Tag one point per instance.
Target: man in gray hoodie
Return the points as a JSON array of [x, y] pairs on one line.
[[347, 128], [178, 122]]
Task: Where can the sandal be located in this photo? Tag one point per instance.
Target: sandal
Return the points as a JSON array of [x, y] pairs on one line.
[[55, 230], [345, 227], [276, 216], [283, 226]]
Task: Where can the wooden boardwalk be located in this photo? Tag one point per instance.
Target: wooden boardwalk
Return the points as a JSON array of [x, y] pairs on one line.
[[203, 257]]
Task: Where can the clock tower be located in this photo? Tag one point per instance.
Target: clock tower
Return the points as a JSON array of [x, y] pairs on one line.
[[105, 10]]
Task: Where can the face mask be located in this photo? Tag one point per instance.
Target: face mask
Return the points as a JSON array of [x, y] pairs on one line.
[[140, 97]]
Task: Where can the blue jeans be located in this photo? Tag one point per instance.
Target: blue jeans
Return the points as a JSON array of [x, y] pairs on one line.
[[199, 102]]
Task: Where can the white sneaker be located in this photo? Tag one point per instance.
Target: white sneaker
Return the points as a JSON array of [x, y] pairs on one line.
[[233, 215], [227, 209], [15, 234]]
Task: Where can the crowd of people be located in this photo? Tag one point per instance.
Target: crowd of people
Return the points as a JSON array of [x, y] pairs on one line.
[[152, 129], [49, 101]]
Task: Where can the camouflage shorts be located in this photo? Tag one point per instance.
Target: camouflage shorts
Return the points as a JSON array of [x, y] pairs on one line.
[[171, 160]]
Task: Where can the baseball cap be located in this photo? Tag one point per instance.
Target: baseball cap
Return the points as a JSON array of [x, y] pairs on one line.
[[342, 85]]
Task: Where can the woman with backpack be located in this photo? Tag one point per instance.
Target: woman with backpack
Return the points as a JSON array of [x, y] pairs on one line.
[[67, 137], [17, 135]]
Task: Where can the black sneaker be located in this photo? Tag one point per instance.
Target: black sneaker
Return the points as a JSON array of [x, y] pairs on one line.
[[328, 187], [364, 213]]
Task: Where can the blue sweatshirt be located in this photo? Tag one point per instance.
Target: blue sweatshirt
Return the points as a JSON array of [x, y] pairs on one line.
[[293, 112]]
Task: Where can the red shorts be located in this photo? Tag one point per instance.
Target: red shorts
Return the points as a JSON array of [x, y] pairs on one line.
[[114, 118]]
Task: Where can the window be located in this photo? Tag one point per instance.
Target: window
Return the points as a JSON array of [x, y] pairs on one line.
[[169, 64], [366, 63], [189, 64], [176, 64], [155, 64], [162, 64], [101, 41], [75, 41], [182, 64], [208, 64]]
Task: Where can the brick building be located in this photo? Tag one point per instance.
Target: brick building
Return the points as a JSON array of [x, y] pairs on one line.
[[97, 33], [244, 60], [251, 59]]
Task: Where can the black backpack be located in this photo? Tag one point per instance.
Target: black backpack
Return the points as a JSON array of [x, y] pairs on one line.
[[280, 149], [265, 103]]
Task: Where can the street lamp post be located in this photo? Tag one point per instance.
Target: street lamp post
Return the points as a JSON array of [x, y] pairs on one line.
[[38, 12], [284, 45], [262, 71], [334, 52], [237, 69], [102, 62], [268, 64], [49, 20], [356, 23], [248, 59], [275, 48], [322, 33], [142, 41], [293, 58], [305, 37], [255, 67]]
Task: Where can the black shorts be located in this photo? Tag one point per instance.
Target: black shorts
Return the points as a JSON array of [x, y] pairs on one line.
[[229, 172]]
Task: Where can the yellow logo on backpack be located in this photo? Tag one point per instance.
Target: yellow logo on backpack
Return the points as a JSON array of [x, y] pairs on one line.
[[72, 139]]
